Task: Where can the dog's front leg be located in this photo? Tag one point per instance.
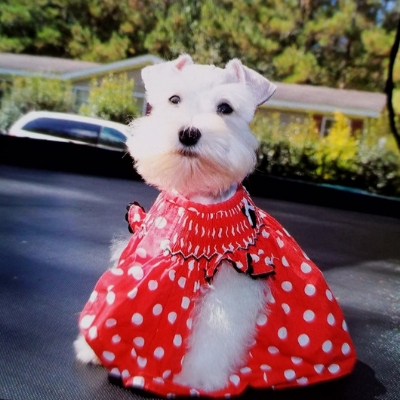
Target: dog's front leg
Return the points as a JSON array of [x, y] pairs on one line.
[[224, 329]]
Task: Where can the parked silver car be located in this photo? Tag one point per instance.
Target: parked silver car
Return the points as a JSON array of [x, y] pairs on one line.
[[62, 127]]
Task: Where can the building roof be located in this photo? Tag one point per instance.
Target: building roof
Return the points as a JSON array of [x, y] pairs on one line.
[[296, 97], [288, 97], [24, 64]]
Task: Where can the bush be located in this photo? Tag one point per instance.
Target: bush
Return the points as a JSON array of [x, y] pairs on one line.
[[34, 93], [365, 160], [111, 99]]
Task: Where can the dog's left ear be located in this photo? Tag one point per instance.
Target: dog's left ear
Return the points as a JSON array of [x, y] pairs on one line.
[[261, 87]]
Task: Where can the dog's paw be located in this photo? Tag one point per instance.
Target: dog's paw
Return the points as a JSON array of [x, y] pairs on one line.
[[84, 352]]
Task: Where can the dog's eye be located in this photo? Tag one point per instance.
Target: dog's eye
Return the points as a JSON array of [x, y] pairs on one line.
[[175, 99], [224, 108]]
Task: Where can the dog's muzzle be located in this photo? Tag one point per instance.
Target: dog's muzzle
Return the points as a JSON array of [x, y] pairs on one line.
[[189, 136]]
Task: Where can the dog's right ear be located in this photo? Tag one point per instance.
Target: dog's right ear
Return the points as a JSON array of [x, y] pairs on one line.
[[182, 60], [153, 73]]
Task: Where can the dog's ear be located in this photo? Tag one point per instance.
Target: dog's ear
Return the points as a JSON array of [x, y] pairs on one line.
[[152, 73], [182, 60], [261, 87]]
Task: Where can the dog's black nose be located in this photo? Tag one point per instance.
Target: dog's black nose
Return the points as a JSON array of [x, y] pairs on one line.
[[189, 136]]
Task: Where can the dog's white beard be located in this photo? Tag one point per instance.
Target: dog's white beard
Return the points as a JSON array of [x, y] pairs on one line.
[[194, 175], [224, 329]]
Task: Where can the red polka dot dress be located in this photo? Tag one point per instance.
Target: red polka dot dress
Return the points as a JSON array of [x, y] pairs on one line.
[[139, 316]]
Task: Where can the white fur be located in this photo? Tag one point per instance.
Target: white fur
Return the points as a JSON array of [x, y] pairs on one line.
[[84, 352], [225, 154], [207, 172], [224, 329], [118, 244]]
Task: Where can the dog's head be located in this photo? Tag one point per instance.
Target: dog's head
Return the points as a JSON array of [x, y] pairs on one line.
[[196, 138]]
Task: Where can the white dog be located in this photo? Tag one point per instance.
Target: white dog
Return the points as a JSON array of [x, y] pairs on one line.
[[211, 294]]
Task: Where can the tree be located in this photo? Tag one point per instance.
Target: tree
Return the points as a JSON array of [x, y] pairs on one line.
[[390, 86]]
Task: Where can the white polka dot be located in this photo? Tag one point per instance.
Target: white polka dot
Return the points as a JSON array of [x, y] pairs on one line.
[[327, 346], [172, 317], [329, 295], [139, 341], [160, 222], [116, 339], [108, 356], [296, 360], [194, 393], [265, 233], [159, 353], [152, 285], [280, 242], [142, 361], [310, 290], [191, 265], [287, 286], [282, 333], [302, 381], [345, 348], [334, 368], [141, 252], [245, 370], [185, 302], [138, 381], [132, 294], [273, 350], [171, 274], [303, 340], [177, 340], [125, 373], [289, 374], [331, 319], [234, 379], [117, 271], [189, 323], [133, 353], [306, 268], [93, 296], [137, 319], [286, 308], [136, 272], [182, 282], [110, 298], [115, 372], [344, 326], [285, 262], [158, 380], [308, 315], [166, 374], [111, 322], [261, 320], [93, 332], [86, 321], [164, 244], [157, 309], [319, 368]]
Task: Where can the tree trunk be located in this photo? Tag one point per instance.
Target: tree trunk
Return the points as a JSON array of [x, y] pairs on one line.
[[389, 86]]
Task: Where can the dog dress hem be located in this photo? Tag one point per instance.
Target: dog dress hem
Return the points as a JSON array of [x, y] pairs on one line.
[[139, 317]]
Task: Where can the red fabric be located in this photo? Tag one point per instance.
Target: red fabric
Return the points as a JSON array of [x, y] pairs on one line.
[[138, 317]]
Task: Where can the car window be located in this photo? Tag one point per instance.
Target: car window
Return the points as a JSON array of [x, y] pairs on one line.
[[112, 137], [74, 130]]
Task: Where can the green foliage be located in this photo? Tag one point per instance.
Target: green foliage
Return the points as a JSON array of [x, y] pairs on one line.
[[332, 43], [366, 161], [111, 98], [34, 93]]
